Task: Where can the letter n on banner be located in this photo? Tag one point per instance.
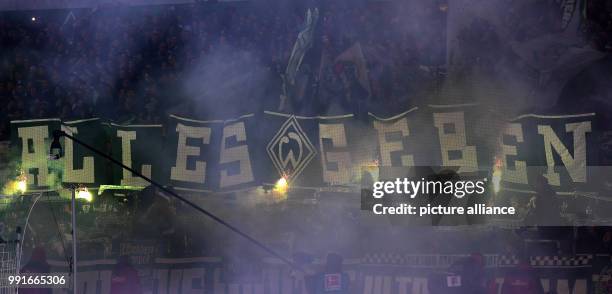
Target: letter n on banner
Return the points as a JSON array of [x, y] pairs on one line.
[[563, 148]]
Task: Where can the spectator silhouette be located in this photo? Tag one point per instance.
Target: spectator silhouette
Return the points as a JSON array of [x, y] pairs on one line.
[[124, 278], [37, 265], [332, 279]]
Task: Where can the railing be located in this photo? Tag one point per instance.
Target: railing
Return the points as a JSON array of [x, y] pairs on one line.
[[8, 266]]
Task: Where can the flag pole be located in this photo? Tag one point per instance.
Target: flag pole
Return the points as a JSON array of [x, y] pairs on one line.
[[74, 243]]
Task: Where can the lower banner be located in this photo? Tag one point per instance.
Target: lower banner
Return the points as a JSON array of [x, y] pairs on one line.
[[374, 273]]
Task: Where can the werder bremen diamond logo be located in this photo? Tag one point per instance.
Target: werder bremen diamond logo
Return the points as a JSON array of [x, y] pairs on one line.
[[290, 149]]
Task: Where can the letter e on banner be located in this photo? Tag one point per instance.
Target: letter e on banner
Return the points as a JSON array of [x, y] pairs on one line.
[[388, 146], [179, 172]]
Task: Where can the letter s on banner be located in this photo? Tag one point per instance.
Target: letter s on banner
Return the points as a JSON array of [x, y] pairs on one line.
[[238, 154]]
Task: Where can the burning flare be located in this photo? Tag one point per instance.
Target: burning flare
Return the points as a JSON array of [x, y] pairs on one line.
[[281, 185], [279, 193], [16, 186], [83, 193]]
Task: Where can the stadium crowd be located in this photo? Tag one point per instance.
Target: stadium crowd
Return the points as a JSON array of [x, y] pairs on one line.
[[130, 64], [136, 64]]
